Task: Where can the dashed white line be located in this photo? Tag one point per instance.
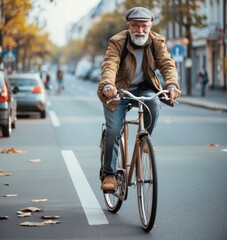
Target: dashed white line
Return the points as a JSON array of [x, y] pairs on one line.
[[54, 119], [92, 209], [224, 150]]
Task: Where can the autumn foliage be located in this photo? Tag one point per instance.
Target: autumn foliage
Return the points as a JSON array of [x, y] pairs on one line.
[[27, 39]]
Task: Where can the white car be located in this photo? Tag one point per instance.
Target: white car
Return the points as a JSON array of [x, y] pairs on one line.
[[31, 94]]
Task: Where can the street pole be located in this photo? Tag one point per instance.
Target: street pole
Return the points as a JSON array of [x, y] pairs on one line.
[[1, 33], [224, 45]]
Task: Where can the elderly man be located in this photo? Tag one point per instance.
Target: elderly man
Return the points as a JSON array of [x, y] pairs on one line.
[[145, 51]]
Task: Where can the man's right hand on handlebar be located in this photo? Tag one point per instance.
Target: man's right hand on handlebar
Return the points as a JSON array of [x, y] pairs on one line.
[[110, 91]]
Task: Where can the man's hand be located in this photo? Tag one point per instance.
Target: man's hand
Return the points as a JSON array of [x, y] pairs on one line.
[[173, 94], [110, 92]]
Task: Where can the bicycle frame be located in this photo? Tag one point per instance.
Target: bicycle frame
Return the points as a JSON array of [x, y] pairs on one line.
[[136, 157]]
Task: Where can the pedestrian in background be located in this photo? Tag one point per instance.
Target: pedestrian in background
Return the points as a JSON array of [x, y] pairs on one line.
[[59, 80], [203, 79], [47, 81]]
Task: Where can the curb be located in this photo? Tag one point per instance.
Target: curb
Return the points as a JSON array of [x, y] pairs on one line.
[[208, 105]]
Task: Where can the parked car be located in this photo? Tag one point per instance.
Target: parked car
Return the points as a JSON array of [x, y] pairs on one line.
[[8, 106], [95, 75], [83, 69], [31, 95]]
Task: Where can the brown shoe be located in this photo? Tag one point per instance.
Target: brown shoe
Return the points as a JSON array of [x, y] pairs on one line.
[[109, 183]]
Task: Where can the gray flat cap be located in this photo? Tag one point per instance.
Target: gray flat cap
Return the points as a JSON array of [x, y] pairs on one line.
[[139, 14]]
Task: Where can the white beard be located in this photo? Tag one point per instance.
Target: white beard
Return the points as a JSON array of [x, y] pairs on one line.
[[139, 41]]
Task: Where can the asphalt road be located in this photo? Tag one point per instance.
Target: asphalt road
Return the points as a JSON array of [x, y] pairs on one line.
[[61, 164]]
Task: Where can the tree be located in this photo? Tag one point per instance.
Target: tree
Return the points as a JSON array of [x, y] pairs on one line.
[[97, 38], [139, 3], [28, 40], [187, 15]]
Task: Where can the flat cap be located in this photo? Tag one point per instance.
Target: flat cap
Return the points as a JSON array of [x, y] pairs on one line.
[[139, 14]]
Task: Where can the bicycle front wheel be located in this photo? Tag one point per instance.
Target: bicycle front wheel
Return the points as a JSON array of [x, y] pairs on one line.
[[147, 185]]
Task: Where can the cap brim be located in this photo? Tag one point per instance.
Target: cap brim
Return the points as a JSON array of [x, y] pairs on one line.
[[140, 19]]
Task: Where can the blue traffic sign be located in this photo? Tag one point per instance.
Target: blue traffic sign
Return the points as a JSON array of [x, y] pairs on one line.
[[177, 52], [9, 56]]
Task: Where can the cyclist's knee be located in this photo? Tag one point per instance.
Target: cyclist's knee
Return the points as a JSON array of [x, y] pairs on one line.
[[113, 132]]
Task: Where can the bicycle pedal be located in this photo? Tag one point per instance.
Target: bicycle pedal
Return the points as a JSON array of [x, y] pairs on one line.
[[109, 191]]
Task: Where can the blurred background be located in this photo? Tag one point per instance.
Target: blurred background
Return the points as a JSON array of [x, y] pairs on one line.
[[41, 35]]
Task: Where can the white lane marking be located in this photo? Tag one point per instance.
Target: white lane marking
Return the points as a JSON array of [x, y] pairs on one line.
[[224, 150], [92, 209], [54, 119]]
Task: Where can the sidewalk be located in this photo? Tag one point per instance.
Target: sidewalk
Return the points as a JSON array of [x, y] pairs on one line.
[[214, 100]]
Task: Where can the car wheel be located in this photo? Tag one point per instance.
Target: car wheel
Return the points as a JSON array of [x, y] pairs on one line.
[[6, 130], [43, 114], [14, 124]]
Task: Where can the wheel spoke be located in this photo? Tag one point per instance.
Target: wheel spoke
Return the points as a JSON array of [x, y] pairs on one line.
[[147, 186]]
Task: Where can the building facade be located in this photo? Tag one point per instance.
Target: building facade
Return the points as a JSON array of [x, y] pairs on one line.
[[81, 28], [209, 45]]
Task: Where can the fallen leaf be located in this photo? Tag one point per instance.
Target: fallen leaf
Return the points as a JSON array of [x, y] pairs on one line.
[[24, 214], [51, 217], [2, 150], [39, 200], [51, 222], [4, 217], [12, 150], [35, 160], [33, 224], [213, 145], [38, 224], [3, 174], [31, 209], [10, 195], [21, 151], [6, 184]]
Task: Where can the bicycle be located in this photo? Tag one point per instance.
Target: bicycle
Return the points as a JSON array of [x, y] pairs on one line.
[[142, 165]]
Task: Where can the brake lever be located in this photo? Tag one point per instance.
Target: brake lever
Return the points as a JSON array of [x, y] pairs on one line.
[[117, 99], [166, 97]]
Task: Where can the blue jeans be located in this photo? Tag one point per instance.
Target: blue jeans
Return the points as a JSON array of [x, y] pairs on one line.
[[114, 124]]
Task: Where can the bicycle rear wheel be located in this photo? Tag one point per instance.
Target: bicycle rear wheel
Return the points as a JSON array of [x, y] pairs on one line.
[[114, 200], [147, 185]]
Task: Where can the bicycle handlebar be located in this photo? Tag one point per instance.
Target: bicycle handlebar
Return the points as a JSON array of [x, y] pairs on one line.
[[123, 92]]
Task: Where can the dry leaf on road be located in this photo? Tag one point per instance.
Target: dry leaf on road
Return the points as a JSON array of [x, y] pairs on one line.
[[38, 224], [10, 195], [31, 209], [51, 217], [4, 217], [35, 160], [4, 174], [39, 200], [213, 145], [33, 224], [11, 150], [24, 214]]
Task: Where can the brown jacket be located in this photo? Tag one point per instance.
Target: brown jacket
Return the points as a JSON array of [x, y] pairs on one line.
[[121, 77]]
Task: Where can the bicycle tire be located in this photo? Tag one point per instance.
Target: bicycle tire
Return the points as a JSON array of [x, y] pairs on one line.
[[147, 187], [113, 203]]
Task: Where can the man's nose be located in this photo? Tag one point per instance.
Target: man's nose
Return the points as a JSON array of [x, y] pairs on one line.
[[140, 29]]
